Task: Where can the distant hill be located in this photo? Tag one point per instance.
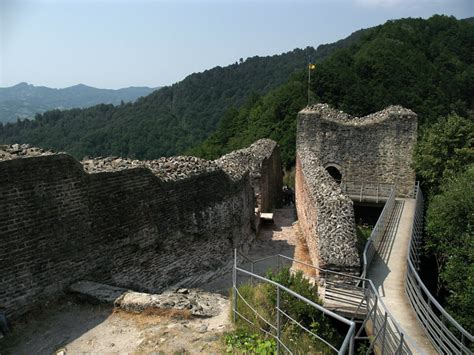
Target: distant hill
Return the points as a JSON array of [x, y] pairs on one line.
[[170, 120], [25, 100]]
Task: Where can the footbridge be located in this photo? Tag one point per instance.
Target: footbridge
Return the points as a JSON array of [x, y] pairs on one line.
[[387, 304]]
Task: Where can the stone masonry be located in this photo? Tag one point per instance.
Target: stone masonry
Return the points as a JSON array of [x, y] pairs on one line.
[[326, 217], [263, 161], [375, 148], [143, 225]]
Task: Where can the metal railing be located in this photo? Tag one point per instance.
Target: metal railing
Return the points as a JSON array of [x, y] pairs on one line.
[[378, 232], [345, 291], [446, 335], [274, 328], [362, 191]]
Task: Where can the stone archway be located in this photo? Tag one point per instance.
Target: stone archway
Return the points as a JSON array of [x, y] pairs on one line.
[[335, 171]]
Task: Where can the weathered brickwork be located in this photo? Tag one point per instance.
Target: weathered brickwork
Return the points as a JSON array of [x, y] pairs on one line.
[[375, 148], [133, 227], [263, 161], [325, 217]]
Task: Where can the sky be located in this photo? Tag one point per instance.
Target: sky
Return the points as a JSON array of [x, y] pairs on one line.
[[121, 43]]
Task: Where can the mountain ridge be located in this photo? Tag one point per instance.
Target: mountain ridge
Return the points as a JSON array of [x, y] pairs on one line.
[[25, 100], [170, 120]]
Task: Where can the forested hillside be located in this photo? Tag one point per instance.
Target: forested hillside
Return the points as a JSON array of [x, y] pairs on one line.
[[168, 121], [425, 65], [25, 100]]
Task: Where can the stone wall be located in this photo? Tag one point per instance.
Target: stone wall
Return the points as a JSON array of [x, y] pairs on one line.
[[142, 225], [263, 161], [325, 217], [374, 148]]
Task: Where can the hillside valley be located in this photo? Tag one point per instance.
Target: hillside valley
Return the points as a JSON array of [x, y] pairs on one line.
[[25, 100], [170, 120]]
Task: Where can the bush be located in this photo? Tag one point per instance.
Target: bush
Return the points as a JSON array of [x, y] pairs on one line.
[[241, 341], [450, 230], [307, 315], [263, 298]]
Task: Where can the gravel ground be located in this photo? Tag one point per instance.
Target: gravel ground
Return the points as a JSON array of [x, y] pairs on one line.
[[76, 328]]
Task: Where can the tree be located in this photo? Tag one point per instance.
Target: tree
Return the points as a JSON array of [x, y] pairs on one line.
[[450, 238], [445, 150]]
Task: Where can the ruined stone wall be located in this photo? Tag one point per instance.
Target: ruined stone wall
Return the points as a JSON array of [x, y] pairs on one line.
[[325, 217], [263, 161], [143, 225], [374, 148]]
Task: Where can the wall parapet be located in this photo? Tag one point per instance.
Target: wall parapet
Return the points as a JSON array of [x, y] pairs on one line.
[[141, 225], [263, 162], [377, 148]]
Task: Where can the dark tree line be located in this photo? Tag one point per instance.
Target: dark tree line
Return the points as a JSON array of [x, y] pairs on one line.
[[424, 65]]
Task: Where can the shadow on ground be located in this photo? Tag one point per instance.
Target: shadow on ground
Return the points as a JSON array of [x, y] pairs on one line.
[[52, 327], [274, 238]]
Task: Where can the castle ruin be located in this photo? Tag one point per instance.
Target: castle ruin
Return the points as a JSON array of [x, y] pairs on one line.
[[144, 225], [333, 148]]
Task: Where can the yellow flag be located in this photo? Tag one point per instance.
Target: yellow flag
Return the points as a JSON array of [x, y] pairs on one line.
[[312, 66]]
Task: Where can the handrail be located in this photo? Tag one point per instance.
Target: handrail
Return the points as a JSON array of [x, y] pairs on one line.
[[346, 346], [387, 334], [366, 190], [437, 323], [377, 233]]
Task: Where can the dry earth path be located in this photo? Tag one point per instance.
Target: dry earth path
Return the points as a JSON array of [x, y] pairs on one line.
[[280, 237], [76, 328]]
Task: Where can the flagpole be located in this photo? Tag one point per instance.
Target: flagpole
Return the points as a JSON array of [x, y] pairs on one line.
[[309, 79]]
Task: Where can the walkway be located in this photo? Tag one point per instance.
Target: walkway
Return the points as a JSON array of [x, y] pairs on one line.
[[388, 270]]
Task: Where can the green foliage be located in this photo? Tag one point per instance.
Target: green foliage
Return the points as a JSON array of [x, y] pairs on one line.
[[176, 118], [450, 238], [363, 235], [272, 116], [424, 65], [444, 150], [263, 298], [25, 100], [166, 122], [293, 306], [241, 341]]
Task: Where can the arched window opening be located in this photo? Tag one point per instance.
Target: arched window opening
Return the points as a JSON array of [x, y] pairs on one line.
[[335, 173]]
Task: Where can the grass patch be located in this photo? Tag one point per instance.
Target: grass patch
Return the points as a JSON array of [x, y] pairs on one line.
[[262, 297]]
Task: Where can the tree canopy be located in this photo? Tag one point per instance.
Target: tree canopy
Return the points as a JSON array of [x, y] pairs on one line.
[[424, 65]]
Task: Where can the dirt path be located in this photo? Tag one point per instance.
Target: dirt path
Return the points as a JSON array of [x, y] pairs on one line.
[[75, 328], [280, 237]]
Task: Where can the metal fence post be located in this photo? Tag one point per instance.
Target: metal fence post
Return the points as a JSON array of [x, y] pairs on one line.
[[375, 314], [234, 287], [400, 346], [383, 332], [278, 326], [252, 271]]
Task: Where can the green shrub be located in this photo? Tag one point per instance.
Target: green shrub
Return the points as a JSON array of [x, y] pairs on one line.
[[305, 314], [263, 298], [241, 341], [363, 235]]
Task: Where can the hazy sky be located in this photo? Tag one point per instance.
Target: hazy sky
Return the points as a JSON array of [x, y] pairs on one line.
[[119, 43]]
